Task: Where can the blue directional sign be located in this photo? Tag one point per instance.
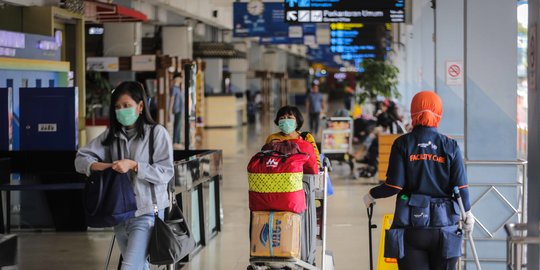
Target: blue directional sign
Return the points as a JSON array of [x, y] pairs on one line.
[[269, 22], [347, 11], [321, 54], [356, 41], [298, 34], [269, 25]]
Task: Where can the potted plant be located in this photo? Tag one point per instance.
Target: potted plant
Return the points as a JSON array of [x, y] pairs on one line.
[[98, 98], [98, 95], [378, 79]]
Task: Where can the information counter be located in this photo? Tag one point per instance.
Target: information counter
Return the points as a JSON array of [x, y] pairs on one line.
[[224, 110]]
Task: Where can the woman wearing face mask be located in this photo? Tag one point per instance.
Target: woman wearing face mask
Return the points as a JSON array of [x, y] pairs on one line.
[[290, 120], [130, 126]]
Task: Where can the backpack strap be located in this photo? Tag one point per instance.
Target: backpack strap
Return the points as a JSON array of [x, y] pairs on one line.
[[151, 145], [151, 161], [304, 135]]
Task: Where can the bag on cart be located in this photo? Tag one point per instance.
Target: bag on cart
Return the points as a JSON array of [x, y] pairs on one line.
[[275, 181], [308, 229]]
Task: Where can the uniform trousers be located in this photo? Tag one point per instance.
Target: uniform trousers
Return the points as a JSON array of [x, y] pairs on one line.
[[423, 251]]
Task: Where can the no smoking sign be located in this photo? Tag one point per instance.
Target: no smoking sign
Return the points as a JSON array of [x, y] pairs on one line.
[[454, 73]]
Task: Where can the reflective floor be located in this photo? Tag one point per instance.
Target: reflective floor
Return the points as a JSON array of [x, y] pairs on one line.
[[347, 219]]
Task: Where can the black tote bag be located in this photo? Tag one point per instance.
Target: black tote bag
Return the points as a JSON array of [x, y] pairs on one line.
[[171, 239]]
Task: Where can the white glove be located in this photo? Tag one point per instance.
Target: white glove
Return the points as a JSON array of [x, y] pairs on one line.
[[368, 200], [468, 222]]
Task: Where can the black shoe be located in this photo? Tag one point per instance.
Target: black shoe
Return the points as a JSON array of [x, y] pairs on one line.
[[367, 173]]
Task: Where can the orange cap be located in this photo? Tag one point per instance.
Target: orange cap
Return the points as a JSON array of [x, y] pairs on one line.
[[426, 109]]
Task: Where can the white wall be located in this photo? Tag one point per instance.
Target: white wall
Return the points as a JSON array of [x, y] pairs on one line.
[[415, 56]]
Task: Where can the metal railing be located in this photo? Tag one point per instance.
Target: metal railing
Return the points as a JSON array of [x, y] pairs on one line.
[[518, 210], [516, 242]]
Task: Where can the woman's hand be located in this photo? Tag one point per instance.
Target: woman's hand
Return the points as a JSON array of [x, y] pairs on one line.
[[100, 166], [124, 165]]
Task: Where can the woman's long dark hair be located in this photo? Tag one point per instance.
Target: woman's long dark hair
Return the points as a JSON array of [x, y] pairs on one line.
[[136, 91]]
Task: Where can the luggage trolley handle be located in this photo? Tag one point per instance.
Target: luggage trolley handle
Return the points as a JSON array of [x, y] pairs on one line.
[[370, 228], [327, 164]]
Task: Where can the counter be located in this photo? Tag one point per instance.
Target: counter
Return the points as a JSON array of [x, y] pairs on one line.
[[224, 110]]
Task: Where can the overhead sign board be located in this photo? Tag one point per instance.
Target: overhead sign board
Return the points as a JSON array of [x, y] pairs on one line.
[[356, 40], [352, 38], [347, 11], [268, 22], [298, 34], [322, 54]]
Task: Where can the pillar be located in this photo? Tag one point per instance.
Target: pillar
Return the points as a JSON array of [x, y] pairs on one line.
[[449, 48], [122, 39], [178, 41], [533, 200], [239, 69], [213, 75], [490, 123]]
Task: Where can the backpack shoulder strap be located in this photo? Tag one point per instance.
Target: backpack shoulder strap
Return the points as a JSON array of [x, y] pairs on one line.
[[151, 161], [151, 145]]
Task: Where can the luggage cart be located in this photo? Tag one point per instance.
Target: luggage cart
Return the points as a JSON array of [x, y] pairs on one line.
[[336, 141], [317, 185]]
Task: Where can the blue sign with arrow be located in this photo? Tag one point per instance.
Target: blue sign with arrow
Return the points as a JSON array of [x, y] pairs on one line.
[[270, 25]]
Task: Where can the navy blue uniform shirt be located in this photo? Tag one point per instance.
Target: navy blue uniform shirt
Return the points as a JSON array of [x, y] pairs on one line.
[[425, 162]]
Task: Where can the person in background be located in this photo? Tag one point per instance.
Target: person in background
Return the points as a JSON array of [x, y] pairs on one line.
[[129, 129], [176, 106], [424, 168], [349, 98], [314, 107], [290, 121]]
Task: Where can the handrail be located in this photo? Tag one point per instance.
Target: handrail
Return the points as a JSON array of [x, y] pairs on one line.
[[496, 162], [515, 242], [515, 250]]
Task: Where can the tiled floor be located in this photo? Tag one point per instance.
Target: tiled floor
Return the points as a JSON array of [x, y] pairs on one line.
[[347, 221]]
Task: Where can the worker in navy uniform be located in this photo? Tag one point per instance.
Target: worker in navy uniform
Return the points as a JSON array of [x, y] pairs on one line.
[[423, 170]]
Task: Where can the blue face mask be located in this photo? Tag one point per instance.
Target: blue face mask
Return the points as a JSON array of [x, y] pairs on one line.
[[287, 126], [127, 116]]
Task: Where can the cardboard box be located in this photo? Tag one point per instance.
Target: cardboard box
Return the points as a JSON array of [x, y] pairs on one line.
[[281, 240]]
